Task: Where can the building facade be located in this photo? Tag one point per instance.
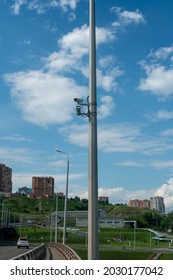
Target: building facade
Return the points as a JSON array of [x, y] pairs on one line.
[[104, 199], [157, 203], [42, 186], [25, 191], [5, 179], [140, 203]]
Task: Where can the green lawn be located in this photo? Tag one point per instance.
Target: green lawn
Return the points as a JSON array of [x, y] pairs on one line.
[[166, 256], [109, 239], [116, 255]]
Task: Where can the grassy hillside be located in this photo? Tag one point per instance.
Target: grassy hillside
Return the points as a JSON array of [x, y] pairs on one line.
[[34, 206], [29, 207]]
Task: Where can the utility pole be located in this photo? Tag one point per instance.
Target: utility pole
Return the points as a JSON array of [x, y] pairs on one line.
[[66, 195], [56, 218], [92, 152], [91, 113]]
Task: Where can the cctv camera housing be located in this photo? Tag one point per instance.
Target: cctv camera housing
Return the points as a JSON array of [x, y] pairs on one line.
[[78, 100], [78, 110]]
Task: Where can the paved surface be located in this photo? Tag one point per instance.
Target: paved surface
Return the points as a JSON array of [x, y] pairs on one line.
[[53, 254], [9, 252]]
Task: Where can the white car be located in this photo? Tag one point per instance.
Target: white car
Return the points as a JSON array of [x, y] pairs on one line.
[[23, 242]]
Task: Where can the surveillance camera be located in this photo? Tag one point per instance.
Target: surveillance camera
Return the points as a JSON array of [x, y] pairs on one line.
[[78, 100], [78, 110]]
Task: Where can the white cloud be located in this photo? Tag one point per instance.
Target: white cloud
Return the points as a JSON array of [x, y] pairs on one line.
[[108, 71], [44, 98], [15, 8], [162, 164], [41, 6], [61, 61], [119, 194], [76, 41], [16, 138], [130, 163], [74, 46], [106, 108], [159, 81], [122, 138], [154, 164], [68, 3], [16, 155], [21, 180], [117, 138], [27, 42], [107, 79], [159, 72], [76, 134], [166, 191], [73, 56], [161, 115], [161, 53], [115, 194], [127, 17], [167, 132]]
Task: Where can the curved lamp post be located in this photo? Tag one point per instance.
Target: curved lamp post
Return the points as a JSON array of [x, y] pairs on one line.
[[56, 218], [66, 195]]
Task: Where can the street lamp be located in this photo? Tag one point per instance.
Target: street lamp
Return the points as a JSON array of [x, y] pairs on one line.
[[134, 225], [66, 195], [56, 218]]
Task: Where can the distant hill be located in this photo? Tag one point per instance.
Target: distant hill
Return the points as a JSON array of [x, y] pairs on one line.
[[40, 209], [35, 206], [123, 211]]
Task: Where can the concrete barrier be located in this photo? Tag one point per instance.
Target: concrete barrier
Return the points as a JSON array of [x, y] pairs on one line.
[[38, 253], [66, 252]]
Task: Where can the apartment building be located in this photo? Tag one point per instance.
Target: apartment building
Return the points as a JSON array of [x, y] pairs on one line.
[[104, 199], [42, 186], [140, 203], [157, 203], [5, 179]]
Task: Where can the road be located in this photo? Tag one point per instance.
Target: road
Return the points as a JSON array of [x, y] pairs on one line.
[[53, 254], [10, 251]]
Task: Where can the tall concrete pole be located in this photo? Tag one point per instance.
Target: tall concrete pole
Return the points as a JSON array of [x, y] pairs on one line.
[[92, 149]]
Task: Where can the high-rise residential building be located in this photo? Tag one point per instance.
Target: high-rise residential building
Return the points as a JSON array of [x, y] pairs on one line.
[[157, 203], [42, 186], [5, 179]]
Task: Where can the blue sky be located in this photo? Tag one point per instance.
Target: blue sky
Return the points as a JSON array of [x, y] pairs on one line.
[[44, 65]]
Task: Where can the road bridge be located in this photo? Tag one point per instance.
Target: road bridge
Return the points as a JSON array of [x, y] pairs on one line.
[[59, 251], [51, 251]]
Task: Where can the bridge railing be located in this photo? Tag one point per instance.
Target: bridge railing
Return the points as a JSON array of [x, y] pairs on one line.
[[37, 253], [66, 252]]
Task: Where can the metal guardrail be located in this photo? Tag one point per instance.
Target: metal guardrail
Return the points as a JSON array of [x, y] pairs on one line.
[[66, 252], [37, 253]]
